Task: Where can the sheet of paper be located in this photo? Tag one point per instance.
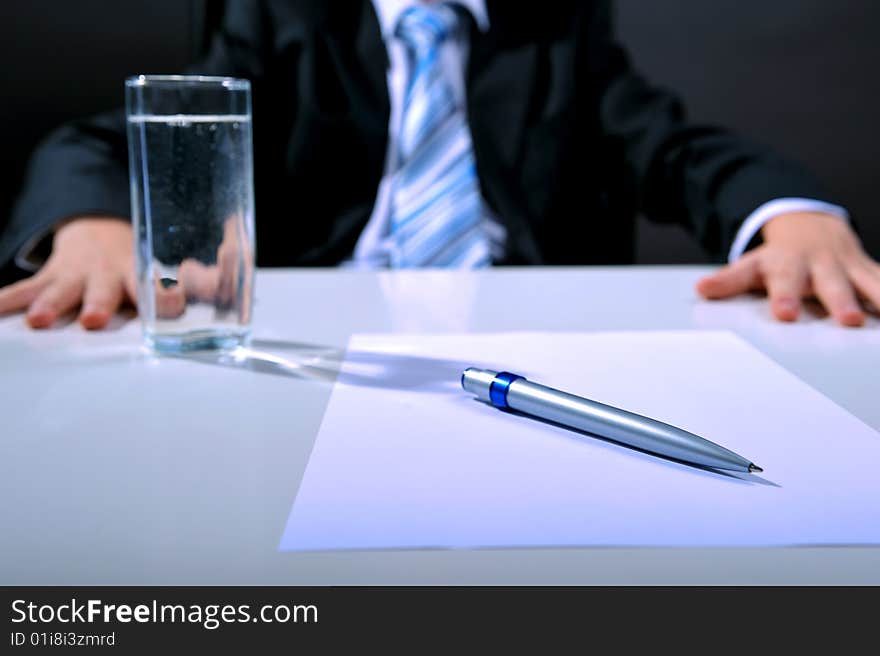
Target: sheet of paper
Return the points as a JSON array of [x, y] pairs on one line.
[[406, 459]]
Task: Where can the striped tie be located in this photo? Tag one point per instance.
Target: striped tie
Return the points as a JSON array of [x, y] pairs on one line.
[[436, 206]]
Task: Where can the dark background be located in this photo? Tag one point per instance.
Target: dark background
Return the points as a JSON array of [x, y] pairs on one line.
[[797, 74]]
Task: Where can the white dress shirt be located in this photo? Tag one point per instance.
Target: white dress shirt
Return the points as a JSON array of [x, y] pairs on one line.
[[373, 246]]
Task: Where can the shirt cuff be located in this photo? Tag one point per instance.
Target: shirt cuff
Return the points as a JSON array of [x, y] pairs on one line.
[[756, 220], [32, 255]]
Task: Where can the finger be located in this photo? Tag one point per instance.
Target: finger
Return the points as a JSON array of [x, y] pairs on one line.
[[18, 296], [786, 282], [130, 283], [60, 296], [832, 286], [103, 296], [199, 281], [170, 299], [736, 278], [248, 287], [866, 279], [228, 261]]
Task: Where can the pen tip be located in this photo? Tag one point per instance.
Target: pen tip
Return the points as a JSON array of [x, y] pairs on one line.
[[754, 468]]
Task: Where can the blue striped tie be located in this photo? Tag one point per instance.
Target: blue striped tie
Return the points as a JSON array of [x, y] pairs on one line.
[[436, 206]]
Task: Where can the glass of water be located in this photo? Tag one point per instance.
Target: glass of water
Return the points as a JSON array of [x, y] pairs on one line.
[[192, 198]]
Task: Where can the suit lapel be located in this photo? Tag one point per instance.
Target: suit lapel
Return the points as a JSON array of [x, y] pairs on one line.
[[501, 78], [361, 63], [370, 50]]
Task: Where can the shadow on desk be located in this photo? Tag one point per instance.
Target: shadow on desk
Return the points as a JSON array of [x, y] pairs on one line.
[[325, 364]]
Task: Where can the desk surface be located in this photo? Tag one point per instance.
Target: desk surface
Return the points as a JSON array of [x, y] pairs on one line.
[[119, 468]]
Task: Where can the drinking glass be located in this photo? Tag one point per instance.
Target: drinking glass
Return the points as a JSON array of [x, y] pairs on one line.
[[192, 199]]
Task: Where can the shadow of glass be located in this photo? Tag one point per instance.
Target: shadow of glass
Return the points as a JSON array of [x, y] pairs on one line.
[[328, 365]]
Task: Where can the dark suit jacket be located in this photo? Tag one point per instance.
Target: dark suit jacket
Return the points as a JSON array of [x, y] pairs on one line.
[[570, 142]]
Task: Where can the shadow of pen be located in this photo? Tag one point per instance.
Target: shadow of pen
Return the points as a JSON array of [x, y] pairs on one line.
[[570, 432]]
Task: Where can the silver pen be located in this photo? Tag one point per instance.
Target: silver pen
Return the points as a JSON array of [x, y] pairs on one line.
[[508, 391]]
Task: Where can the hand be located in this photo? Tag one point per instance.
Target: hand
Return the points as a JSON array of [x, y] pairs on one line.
[[215, 284], [91, 267], [804, 254]]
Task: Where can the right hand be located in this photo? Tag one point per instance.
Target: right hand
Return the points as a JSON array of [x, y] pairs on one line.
[[91, 268]]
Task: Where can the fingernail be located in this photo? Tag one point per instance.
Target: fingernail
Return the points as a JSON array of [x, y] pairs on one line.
[[706, 286], [93, 316], [39, 318], [853, 314]]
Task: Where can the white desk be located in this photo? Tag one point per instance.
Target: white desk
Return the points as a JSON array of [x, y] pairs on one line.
[[116, 468]]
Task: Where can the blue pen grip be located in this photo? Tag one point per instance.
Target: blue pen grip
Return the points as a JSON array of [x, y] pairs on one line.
[[498, 388]]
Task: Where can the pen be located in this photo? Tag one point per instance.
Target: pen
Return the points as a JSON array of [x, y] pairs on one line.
[[508, 391]]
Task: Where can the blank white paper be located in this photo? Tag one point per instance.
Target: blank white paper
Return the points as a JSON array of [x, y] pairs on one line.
[[406, 459]]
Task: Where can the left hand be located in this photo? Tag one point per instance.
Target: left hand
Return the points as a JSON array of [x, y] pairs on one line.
[[804, 254]]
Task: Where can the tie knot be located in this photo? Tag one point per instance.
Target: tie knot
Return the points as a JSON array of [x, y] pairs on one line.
[[424, 27]]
